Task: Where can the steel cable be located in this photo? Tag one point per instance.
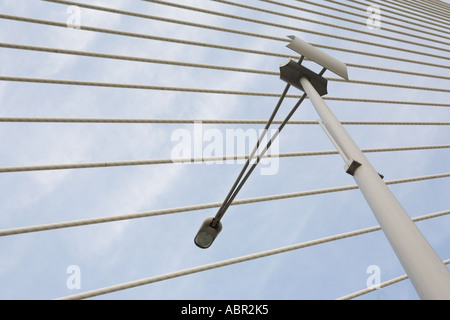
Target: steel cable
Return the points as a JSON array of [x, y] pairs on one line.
[[223, 263], [145, 214]]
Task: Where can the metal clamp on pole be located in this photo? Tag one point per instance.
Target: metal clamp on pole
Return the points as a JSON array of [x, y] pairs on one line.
[[291, 72], [350, 164]]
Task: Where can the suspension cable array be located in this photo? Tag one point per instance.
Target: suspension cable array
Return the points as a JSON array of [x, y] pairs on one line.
[[413, 35]]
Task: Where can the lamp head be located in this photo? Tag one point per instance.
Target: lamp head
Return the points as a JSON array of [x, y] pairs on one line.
[[207, 234]]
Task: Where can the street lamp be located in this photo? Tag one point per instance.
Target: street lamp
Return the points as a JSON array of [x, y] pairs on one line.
[[428, 274]]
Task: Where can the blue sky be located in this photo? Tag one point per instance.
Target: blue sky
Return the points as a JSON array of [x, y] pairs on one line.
[[33, 266]]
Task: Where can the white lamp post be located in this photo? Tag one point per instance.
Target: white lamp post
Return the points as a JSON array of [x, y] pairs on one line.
[[427, 272]]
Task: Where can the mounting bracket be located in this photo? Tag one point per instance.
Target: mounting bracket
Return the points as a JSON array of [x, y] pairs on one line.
[[291, 72]]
